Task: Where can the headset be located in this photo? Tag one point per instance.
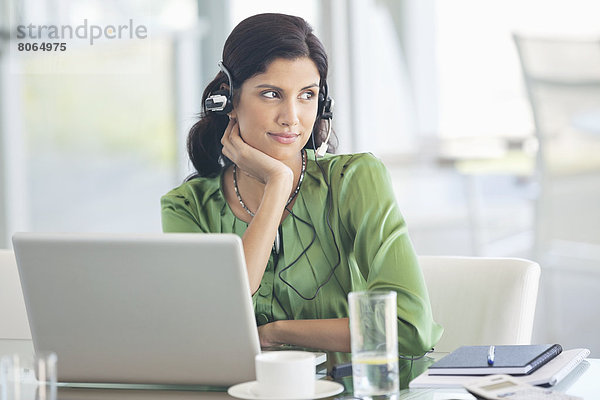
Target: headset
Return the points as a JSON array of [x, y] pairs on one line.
[[325, 110], [221, 102]]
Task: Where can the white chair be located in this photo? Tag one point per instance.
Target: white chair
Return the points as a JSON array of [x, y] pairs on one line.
[[562, 78], [13, 316], [482, 301]]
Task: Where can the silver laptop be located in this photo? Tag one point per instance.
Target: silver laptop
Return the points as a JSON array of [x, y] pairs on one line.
[[150, 308]]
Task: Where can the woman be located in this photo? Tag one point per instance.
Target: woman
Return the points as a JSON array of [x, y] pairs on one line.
[[312, 229]]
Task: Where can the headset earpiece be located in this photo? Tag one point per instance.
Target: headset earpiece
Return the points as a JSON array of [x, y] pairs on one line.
[[321, 103], [325, 112], [221, 101], [218, 102], [325, 107], [328, 109]]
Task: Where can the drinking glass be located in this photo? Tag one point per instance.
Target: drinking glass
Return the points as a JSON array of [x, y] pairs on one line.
[[374, 343]]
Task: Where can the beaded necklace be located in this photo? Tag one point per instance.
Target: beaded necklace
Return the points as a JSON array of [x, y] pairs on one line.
[[237, 190], [237, 193]]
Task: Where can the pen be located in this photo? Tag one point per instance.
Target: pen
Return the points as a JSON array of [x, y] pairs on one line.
[[491, 354]]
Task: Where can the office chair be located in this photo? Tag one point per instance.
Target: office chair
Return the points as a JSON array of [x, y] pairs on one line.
[[562, 78], [482, 301], [13, 316]]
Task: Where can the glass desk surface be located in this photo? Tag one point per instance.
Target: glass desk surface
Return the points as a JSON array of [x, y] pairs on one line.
[[583, 382]]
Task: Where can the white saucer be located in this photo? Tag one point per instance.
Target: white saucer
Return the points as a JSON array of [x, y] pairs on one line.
[[323, 388]]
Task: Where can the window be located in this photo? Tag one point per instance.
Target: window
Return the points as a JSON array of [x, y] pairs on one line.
[[480, 86], [98, 127]]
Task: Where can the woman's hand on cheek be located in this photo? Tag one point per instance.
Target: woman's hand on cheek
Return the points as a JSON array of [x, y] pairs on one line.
[[251, 160]]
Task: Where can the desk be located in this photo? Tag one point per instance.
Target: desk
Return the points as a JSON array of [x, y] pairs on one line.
[[584, 382]]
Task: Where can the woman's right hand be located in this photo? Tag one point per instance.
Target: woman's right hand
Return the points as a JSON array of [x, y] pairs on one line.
[[278, 179], [250, 160]]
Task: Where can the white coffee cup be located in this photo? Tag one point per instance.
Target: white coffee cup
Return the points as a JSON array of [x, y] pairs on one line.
[[285, 374]]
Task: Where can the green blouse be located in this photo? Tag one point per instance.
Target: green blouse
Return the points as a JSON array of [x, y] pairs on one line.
[[375, 251]]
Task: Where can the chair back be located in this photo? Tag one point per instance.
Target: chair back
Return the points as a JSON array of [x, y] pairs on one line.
[[482, 301], [562, 78], [13, 316]]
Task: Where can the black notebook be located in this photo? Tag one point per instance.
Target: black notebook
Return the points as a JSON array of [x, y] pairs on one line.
[[508, 359]]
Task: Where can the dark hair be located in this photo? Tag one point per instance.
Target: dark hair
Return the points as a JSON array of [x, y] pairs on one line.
[[252, 45]]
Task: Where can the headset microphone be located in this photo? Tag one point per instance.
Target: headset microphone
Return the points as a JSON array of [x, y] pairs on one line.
[[220, 101], [328, 115]]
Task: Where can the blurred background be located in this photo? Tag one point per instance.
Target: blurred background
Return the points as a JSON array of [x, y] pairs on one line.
[[487, 114]]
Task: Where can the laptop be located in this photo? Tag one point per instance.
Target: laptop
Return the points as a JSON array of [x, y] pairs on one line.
[[140, 308]]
